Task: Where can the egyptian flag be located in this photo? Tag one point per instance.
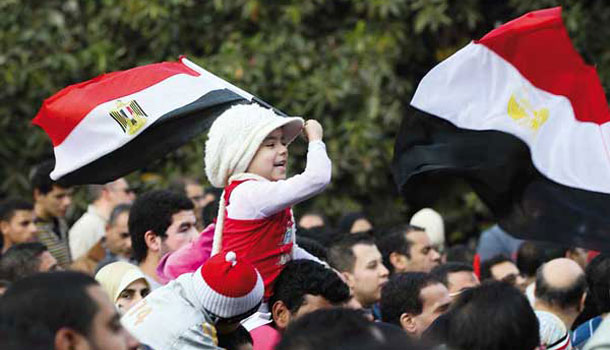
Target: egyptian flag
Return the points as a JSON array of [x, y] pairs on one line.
[[524, 121], [119, 122]]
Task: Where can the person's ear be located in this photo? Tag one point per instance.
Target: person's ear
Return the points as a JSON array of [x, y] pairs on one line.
[[407, 322], [69, 339], [153, 242], [399, 261], [281, 315], [581, 305], [348, 278], [36, 194], [4, 225]]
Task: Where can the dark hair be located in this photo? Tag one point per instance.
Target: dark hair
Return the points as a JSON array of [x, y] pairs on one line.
[[460, 253], [401, 294], [9, 206], [33, 309], [530, 257], [442, 272], [598, 281], [117, 211], [563, 298], [339, 329], [347, 220], [493, 316], [235, 339], [301, 277], [21, 260], [313, 247], [488, 264], [341, 254], [41, 177], [153, 211], [396, 241]]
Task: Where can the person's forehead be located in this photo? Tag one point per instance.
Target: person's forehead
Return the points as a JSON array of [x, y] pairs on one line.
[[22, 214], [418, 237], [57, 190], [275, 134], [194, 189], [461, 276], [434, 293], [183, 216], [504, 268], [366, 252]]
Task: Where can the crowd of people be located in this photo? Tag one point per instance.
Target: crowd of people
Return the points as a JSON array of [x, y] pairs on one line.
[[191, 268]]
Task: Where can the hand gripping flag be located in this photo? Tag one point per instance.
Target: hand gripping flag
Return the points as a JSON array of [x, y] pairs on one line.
[[106, 127], [521, 118]]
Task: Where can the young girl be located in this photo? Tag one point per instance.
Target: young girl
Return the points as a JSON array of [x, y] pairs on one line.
[[247, 154]]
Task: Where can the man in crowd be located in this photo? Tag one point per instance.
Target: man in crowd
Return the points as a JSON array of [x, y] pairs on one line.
[[51, 202], [62, 311], [357, 258], [190, 311], [561, 289], [412, 301], [457, 277], [194, 191], [598, 296], [407, 248], [160, 221], [16, 223], [25, 259], [89, 229], [340, 329], [492, 316], [302, 287], [117, 241], [502, 268]]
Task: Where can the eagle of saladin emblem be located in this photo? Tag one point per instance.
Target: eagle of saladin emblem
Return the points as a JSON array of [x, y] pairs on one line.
[[524, 113], [129, 115]]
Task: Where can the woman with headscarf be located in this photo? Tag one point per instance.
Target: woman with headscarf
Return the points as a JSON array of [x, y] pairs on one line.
[[124, 283]]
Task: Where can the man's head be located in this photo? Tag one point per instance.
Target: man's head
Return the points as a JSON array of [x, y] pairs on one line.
[[311, 220], [494, 316], [304, 286], [407, 248], [113, 193], [25, 259], [598, 280], [338, 329], [530, 257], [413, 300], [457, 277], [16, 222], [357, 258], [502, 268], [561, 288], [51, 199], [62, 311], [117, 239], [160, 221]]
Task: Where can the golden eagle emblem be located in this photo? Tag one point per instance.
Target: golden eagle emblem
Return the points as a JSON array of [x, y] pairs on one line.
[[522, 111], [129, 115]]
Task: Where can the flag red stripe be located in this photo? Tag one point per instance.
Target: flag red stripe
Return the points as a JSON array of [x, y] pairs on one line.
[[74, 102], [558, 68]]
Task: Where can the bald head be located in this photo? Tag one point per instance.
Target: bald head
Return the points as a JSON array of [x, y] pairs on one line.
[[561, 283]]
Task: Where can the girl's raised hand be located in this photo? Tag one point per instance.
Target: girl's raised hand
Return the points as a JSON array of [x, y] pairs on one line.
[[313, 130]]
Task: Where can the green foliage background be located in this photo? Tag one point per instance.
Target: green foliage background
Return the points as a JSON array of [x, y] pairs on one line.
[[352, 64]]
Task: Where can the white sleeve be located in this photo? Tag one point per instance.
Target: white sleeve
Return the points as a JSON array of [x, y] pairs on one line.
[[261, 199], [300, 253]]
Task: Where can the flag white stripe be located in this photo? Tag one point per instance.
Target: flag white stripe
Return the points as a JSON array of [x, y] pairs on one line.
[[473, 88], [98, 134]]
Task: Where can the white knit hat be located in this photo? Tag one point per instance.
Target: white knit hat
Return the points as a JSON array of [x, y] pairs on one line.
[[236, 135], [432, 223], [228, 288]]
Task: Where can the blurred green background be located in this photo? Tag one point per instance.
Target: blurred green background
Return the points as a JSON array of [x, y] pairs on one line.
[[352, 64]]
